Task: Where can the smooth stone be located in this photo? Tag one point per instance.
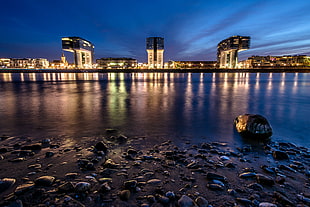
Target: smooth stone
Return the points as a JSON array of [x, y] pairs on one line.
[[105, 187], [253, 126], [45, 180], [247, 175], [163, 200], [214, 186], [100, 146], [71, 175], [6, 183], [280, 155], [213, 176], [283, 199], [24, 188], [124, 195], [256, 186], [186, 201], [265, 204], [264, 180], [66, 187], [82, 186], [35, 166], [244, 201], [154, 181], [201, 201], [109, 163], [130, 184]]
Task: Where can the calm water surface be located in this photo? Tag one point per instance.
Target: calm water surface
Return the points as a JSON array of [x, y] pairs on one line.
[[196, 106]]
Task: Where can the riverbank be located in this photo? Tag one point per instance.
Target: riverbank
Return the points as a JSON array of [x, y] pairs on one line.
[[115, 170], [265, 70]]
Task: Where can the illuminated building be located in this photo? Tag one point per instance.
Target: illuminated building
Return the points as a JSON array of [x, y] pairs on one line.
[[29, 63], [83, 51], [116, 63], [192, 64], [5, 62], [227, 50], [297, 61], [155, 52]]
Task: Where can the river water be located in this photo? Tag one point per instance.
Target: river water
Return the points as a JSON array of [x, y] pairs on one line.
[[199, 107]]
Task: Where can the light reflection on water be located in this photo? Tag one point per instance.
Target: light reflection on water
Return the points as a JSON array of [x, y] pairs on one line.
[[200, 106]]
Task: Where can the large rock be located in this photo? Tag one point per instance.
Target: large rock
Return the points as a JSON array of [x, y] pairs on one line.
[[253, 125]]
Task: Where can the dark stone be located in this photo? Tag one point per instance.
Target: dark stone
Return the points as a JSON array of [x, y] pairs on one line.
[[100, 146], [214, 186], [45, 180], [213, 176], [66, 187], [253, 126], [264, 180], [124, 195], [281, 198], [3, 150], [130, 184], [122, 138], [49, 154], [280, 155], [6, 183]]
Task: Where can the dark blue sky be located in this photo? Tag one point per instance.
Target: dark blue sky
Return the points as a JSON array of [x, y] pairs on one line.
[[191, 28]]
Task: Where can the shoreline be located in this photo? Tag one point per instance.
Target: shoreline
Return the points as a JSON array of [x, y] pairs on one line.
[[116, 170], [264, 70]]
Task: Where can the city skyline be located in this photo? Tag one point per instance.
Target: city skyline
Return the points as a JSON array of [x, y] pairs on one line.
[[192, 29]]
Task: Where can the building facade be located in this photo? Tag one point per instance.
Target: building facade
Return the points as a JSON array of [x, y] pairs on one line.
[[27, 63], [227, 50], [116, 63], [83, 51], [297, 61], [155, 52], [192, 64]]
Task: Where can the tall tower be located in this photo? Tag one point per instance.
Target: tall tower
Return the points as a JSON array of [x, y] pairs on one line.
[[227, 50], [155, 52], [82, 49]]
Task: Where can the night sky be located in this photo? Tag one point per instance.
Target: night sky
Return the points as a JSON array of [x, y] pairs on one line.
[[191, 28]]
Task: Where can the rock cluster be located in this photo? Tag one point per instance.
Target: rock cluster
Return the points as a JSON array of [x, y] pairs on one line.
[[124, 172]]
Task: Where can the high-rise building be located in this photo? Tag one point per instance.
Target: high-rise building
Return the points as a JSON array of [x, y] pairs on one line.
[[82, 49], [155, 52], [227, 50]]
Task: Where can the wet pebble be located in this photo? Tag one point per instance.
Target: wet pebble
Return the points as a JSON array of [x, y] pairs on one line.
[[154, 181], [266, 204], [66, 187], [124, 195], [6, 183], [24, 188], [264, 180], [247, 175], [44, 180], [101, 146], [213, 176], [186, 201], [201, 201], [280, 155], [82, 186]]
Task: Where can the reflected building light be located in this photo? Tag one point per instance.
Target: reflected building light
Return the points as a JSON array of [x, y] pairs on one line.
[[189, 77], [112, 76], [96, 76], [121, 76], [62, 76], [7, 77], [54, 77], [296, 79], [32, 77], [201, 77], [86, 76], [22, 78]]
